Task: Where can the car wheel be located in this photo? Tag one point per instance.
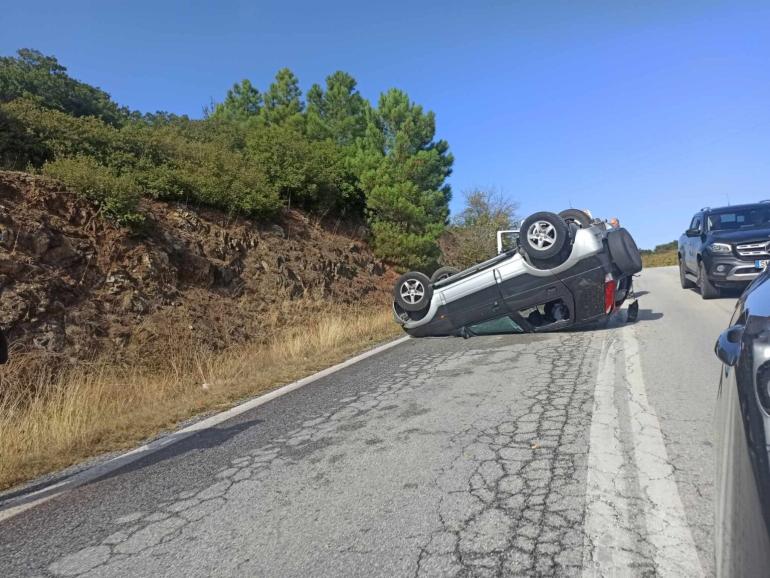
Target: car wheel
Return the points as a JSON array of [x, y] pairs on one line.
[[624, 252], [683, 279], [413, 291], [707, 289], [553, 262], [443, 273], [580, 218], [543, 235]]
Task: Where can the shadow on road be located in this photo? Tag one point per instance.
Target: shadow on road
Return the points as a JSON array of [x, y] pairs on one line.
[[201, 441], [724, 293], [619, 319], [648, 315]]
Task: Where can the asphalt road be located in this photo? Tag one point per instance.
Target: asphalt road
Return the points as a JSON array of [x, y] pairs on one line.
[[585, 452]]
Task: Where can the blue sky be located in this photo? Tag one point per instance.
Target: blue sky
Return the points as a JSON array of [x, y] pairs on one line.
[[645, 110]]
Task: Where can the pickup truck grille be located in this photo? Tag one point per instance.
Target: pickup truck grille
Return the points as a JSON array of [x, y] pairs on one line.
[[753, 249]]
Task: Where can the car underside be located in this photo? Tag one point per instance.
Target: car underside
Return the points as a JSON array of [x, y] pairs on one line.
[[584, 277]]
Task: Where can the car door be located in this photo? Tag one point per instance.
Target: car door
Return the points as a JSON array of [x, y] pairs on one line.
[[521, 288], [693, 243], [473, 299], [742, 417]]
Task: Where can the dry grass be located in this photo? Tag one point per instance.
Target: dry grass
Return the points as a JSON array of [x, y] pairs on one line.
[[49, 422], [663, 259]]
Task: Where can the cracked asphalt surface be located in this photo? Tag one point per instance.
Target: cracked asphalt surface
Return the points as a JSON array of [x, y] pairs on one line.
[[587, 452]]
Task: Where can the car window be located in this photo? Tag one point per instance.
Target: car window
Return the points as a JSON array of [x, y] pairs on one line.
[[510, 241], [695, 224], [739, 219], [496, 326]]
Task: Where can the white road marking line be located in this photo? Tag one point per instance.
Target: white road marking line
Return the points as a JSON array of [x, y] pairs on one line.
[[15, 506], [667, 528], [609, 543]]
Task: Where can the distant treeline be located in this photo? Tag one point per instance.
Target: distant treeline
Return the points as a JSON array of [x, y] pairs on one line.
[[661, 256], [664, 248], [331, 152]]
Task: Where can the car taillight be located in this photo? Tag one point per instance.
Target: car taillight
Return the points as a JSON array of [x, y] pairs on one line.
[[610, 287]]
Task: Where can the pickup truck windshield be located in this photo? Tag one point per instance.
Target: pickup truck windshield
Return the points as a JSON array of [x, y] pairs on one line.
[[739, 219]]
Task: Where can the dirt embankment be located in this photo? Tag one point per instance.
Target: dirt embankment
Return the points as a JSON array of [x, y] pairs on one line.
[[72, 284]]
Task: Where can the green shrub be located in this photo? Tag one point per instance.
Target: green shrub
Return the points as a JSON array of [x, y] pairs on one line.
[[226, 179], [117, 195], [52, 134], [307, 174]]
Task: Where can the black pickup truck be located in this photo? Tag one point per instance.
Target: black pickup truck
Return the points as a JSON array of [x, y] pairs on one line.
[[725, 247]]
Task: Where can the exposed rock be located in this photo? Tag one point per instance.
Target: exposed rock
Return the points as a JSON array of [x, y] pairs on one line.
[[62, 254], [10, 266], [73, 283]]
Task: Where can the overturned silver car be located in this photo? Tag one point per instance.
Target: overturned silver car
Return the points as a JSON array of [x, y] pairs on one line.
[[564, 270]]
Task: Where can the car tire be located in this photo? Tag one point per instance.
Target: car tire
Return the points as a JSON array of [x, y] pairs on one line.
[[543, 235], [555, 261], [413, 291], [707, 289], [580, 218], [624, 252], [683, 280], [443, 273]]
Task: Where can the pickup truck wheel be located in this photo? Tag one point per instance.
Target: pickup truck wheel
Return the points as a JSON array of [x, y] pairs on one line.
[[413, 291], [543, 235], [707, 289], [443, 273], [683, 279]]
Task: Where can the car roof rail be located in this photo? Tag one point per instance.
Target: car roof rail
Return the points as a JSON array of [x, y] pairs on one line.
[[705, 209], [765, 201]]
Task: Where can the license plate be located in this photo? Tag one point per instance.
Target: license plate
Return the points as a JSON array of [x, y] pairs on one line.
[[761, 264]]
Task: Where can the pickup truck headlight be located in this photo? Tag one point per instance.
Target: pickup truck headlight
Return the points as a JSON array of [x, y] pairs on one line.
[[721, 248]]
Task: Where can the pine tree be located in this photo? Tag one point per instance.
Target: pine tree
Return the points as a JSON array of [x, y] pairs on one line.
[[337, 113], [243, 101], [283, 101], [403, 174]]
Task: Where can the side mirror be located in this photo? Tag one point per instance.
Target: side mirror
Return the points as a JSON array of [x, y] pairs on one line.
[[692, 232], [728, 346]]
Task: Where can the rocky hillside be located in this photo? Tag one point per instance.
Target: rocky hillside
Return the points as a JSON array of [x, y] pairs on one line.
[[73, 284]]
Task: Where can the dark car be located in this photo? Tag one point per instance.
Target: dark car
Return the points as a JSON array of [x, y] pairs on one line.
[[742, 531], [724, 248], [566, 270]]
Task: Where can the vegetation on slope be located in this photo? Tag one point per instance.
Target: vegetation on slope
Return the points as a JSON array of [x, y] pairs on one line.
[[252, 154], [662, 256]]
